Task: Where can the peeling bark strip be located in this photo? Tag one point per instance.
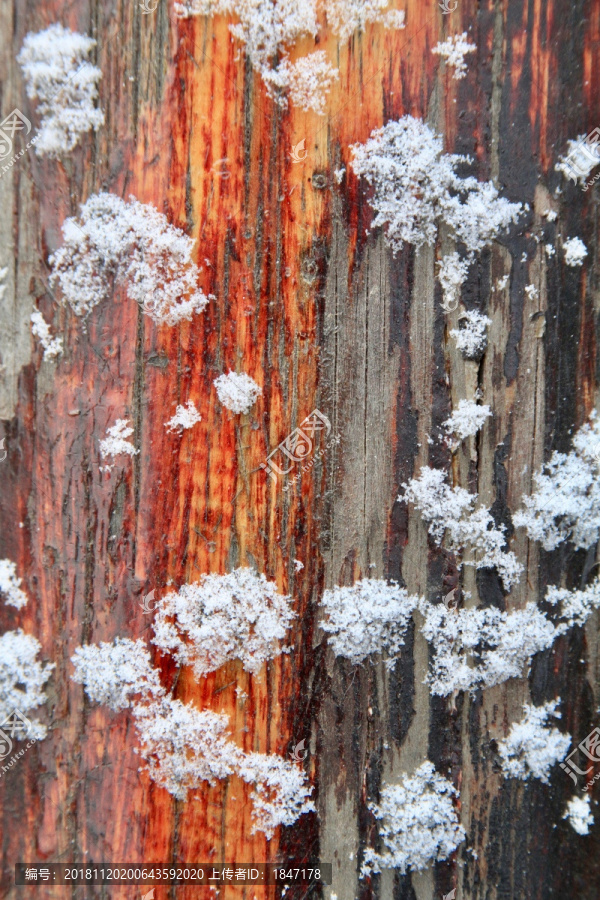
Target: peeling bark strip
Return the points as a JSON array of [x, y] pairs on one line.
[[314, 307]]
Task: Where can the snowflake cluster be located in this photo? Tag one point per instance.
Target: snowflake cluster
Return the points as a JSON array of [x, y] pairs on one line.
[[223, 617], [471, 334], [467, 419], [531, 749], [579, 814], [52, 347], [237, 391], [370, 617], [575, 251], [449, 513], [268, 30], [565, 505], [57, 74], [454, 51], [181, 745], [130, 242], [418, 822], [10, 584], [417, 186], [575, 606], [116, 442], [185, 417], [475, 648], [22, 677]]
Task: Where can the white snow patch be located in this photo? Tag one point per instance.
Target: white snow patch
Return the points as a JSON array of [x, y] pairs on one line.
[[114, 674], [307, 81], [52, 347], [467, 419], [281, 792], [449, 512], [482, 647], [346, 16], [452, 275], [10, 584], [237, 391], [575, 251], [222, 617], [575, 606], [417, 186], [471, 334], [418, 822], [454, 50], [185, 417], [370, 617], [127, 242], [531, 749], [22, 678], [579, 814], [565, 505], [116, 441], [57, 74]]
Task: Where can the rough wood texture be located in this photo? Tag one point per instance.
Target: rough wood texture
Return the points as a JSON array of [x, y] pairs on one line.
[[322, 315]]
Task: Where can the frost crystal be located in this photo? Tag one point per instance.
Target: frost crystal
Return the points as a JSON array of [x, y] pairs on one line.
[[114, 674], [223, 617], [369, 617], [454, 51], [452, 275], [449, 512], [417, 187], [185, 417], [58, 75], [565, 505], [127, 242], [482, 647], [579, 814], [308, 81], [531, 749], [575, 251], [418, 822], [467, 419], [575, 606], [184, 746], [10, 584], [22, 677], [281, 794], [52, 347], [238, 392], [346, 16], [471, 334], [116, 442]]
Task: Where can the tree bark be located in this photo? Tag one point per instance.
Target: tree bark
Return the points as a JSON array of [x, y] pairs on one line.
[[314, 306]]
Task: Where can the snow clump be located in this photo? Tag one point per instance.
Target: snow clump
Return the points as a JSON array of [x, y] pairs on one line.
[[237, 391], [531, 749], [10, 585]]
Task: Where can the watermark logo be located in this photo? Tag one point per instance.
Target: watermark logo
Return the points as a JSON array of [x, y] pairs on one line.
[[446, 10], [299, 754], [5, 452], [146, 8], [219, 168], [450, 896], [297, 446], [584, 156], [147, 601], [149, 895], [450, 601], [297, 149], [15, 121], [17, 726], [589, 747]]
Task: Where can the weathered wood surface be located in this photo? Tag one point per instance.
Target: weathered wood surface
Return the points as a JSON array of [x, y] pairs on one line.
[[322, 315]]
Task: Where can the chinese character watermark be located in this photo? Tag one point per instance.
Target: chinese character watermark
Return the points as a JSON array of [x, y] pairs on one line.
[[589, 747], [296, 154], [14, 121], [298, 446], [299, 754], [16, 726], [147, 601]]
